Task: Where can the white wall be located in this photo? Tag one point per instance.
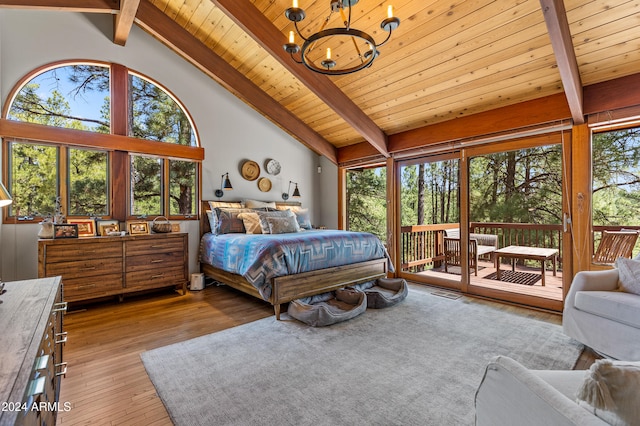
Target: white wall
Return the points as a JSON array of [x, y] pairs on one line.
[[229, 130]]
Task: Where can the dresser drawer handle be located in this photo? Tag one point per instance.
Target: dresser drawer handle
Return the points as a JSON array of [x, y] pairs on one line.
[[157, 276], [157, 261], [160, 246], [60, 307], [62, 373], [61, 338], [89, 268], [36, 386]]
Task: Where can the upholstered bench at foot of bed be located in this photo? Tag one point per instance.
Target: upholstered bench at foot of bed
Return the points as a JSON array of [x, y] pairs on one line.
[[328, 308]]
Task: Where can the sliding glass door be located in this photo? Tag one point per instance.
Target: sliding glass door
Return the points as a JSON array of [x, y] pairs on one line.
[[429, 214]]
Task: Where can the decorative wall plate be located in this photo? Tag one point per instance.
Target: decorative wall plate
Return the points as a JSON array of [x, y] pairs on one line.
[[264, 184], [250, 170], [272, 166]]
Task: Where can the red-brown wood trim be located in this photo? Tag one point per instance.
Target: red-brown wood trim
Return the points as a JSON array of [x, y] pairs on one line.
[[40, 133], [119, 169], [119, 100], [615, 94], [555, 17], [151, 19], [543, 110], [263, 31]]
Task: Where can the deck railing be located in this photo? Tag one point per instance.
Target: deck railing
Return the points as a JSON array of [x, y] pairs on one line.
[[421, 245]]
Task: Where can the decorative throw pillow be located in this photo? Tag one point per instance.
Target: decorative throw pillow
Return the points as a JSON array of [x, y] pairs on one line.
[[282, 225], [251, 222], [264, 215], [303, 217], [628, 275], [228, 220], [610, 391], [255, 204], [213, 218]]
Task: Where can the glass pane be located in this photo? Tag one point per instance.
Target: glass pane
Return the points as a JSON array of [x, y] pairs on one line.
[[33, 183], [182, 182], [156, 116], [71, 96], [88, 183], [367, 201], [428, 207], [146, 186], [515, 199], [616, 182]]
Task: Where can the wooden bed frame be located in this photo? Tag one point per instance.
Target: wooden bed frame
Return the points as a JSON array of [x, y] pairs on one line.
[[291, 287]]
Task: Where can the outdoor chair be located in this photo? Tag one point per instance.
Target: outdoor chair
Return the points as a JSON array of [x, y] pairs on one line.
[[452, 253], [615, 244]]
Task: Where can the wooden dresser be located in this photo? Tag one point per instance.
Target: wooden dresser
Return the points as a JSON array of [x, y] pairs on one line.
[[95, 267], [31, 341]]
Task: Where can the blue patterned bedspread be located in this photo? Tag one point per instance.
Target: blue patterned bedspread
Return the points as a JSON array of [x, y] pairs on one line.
[[260, 257]]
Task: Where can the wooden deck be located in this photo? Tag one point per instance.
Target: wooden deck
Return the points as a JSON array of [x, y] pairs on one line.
[[552, 290]]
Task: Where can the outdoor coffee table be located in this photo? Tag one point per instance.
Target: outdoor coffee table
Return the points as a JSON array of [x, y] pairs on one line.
[[523, 252]]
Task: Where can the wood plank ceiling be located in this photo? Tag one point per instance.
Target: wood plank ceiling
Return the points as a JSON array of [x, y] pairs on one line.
[[447, 59]]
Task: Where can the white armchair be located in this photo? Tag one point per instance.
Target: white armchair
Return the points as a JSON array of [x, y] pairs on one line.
[[600, 316], [510, 394]]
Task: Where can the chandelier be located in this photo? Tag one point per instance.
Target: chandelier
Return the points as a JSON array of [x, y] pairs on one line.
[[316, 51]]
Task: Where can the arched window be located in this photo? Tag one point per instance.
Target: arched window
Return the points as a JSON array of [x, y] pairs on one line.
[[116, 145]]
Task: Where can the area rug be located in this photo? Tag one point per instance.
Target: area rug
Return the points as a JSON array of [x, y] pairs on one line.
[[516, 277], [416, 363]]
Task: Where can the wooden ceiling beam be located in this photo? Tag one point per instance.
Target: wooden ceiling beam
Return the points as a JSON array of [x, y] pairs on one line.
[[555, 17], [154, 21], [123, 21], [95, 6], [252, 21]]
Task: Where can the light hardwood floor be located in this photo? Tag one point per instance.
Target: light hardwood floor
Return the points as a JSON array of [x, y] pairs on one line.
[[106, 382]]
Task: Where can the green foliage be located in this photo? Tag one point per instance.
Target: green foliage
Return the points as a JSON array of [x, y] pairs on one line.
[[366, 201], [146, 181], [616, 177], [34, 179], [87, 183], [523, 186], [156, 116]]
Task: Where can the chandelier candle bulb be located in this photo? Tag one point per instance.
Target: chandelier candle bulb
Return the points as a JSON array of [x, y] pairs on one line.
[[328, 53], [389, 11], [291, 37], [295, 3]]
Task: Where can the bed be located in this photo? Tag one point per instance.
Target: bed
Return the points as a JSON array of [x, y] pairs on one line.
[[279, 268]]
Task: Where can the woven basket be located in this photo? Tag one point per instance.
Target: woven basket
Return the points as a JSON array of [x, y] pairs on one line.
[[161, 227]]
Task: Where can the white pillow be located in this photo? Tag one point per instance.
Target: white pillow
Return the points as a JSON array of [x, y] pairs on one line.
[[610, 391], [628, 275]]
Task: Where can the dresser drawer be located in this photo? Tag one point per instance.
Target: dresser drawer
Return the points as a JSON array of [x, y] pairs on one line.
[[85, 268], [147, 247], [90, 287], [154, 261], [159, 278], [81, 250]]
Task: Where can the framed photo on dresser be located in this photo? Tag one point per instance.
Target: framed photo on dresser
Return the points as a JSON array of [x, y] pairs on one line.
[[86, 227]]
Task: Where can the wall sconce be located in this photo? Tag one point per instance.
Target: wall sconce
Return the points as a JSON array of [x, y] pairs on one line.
[[225, 184], [296, 192]]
